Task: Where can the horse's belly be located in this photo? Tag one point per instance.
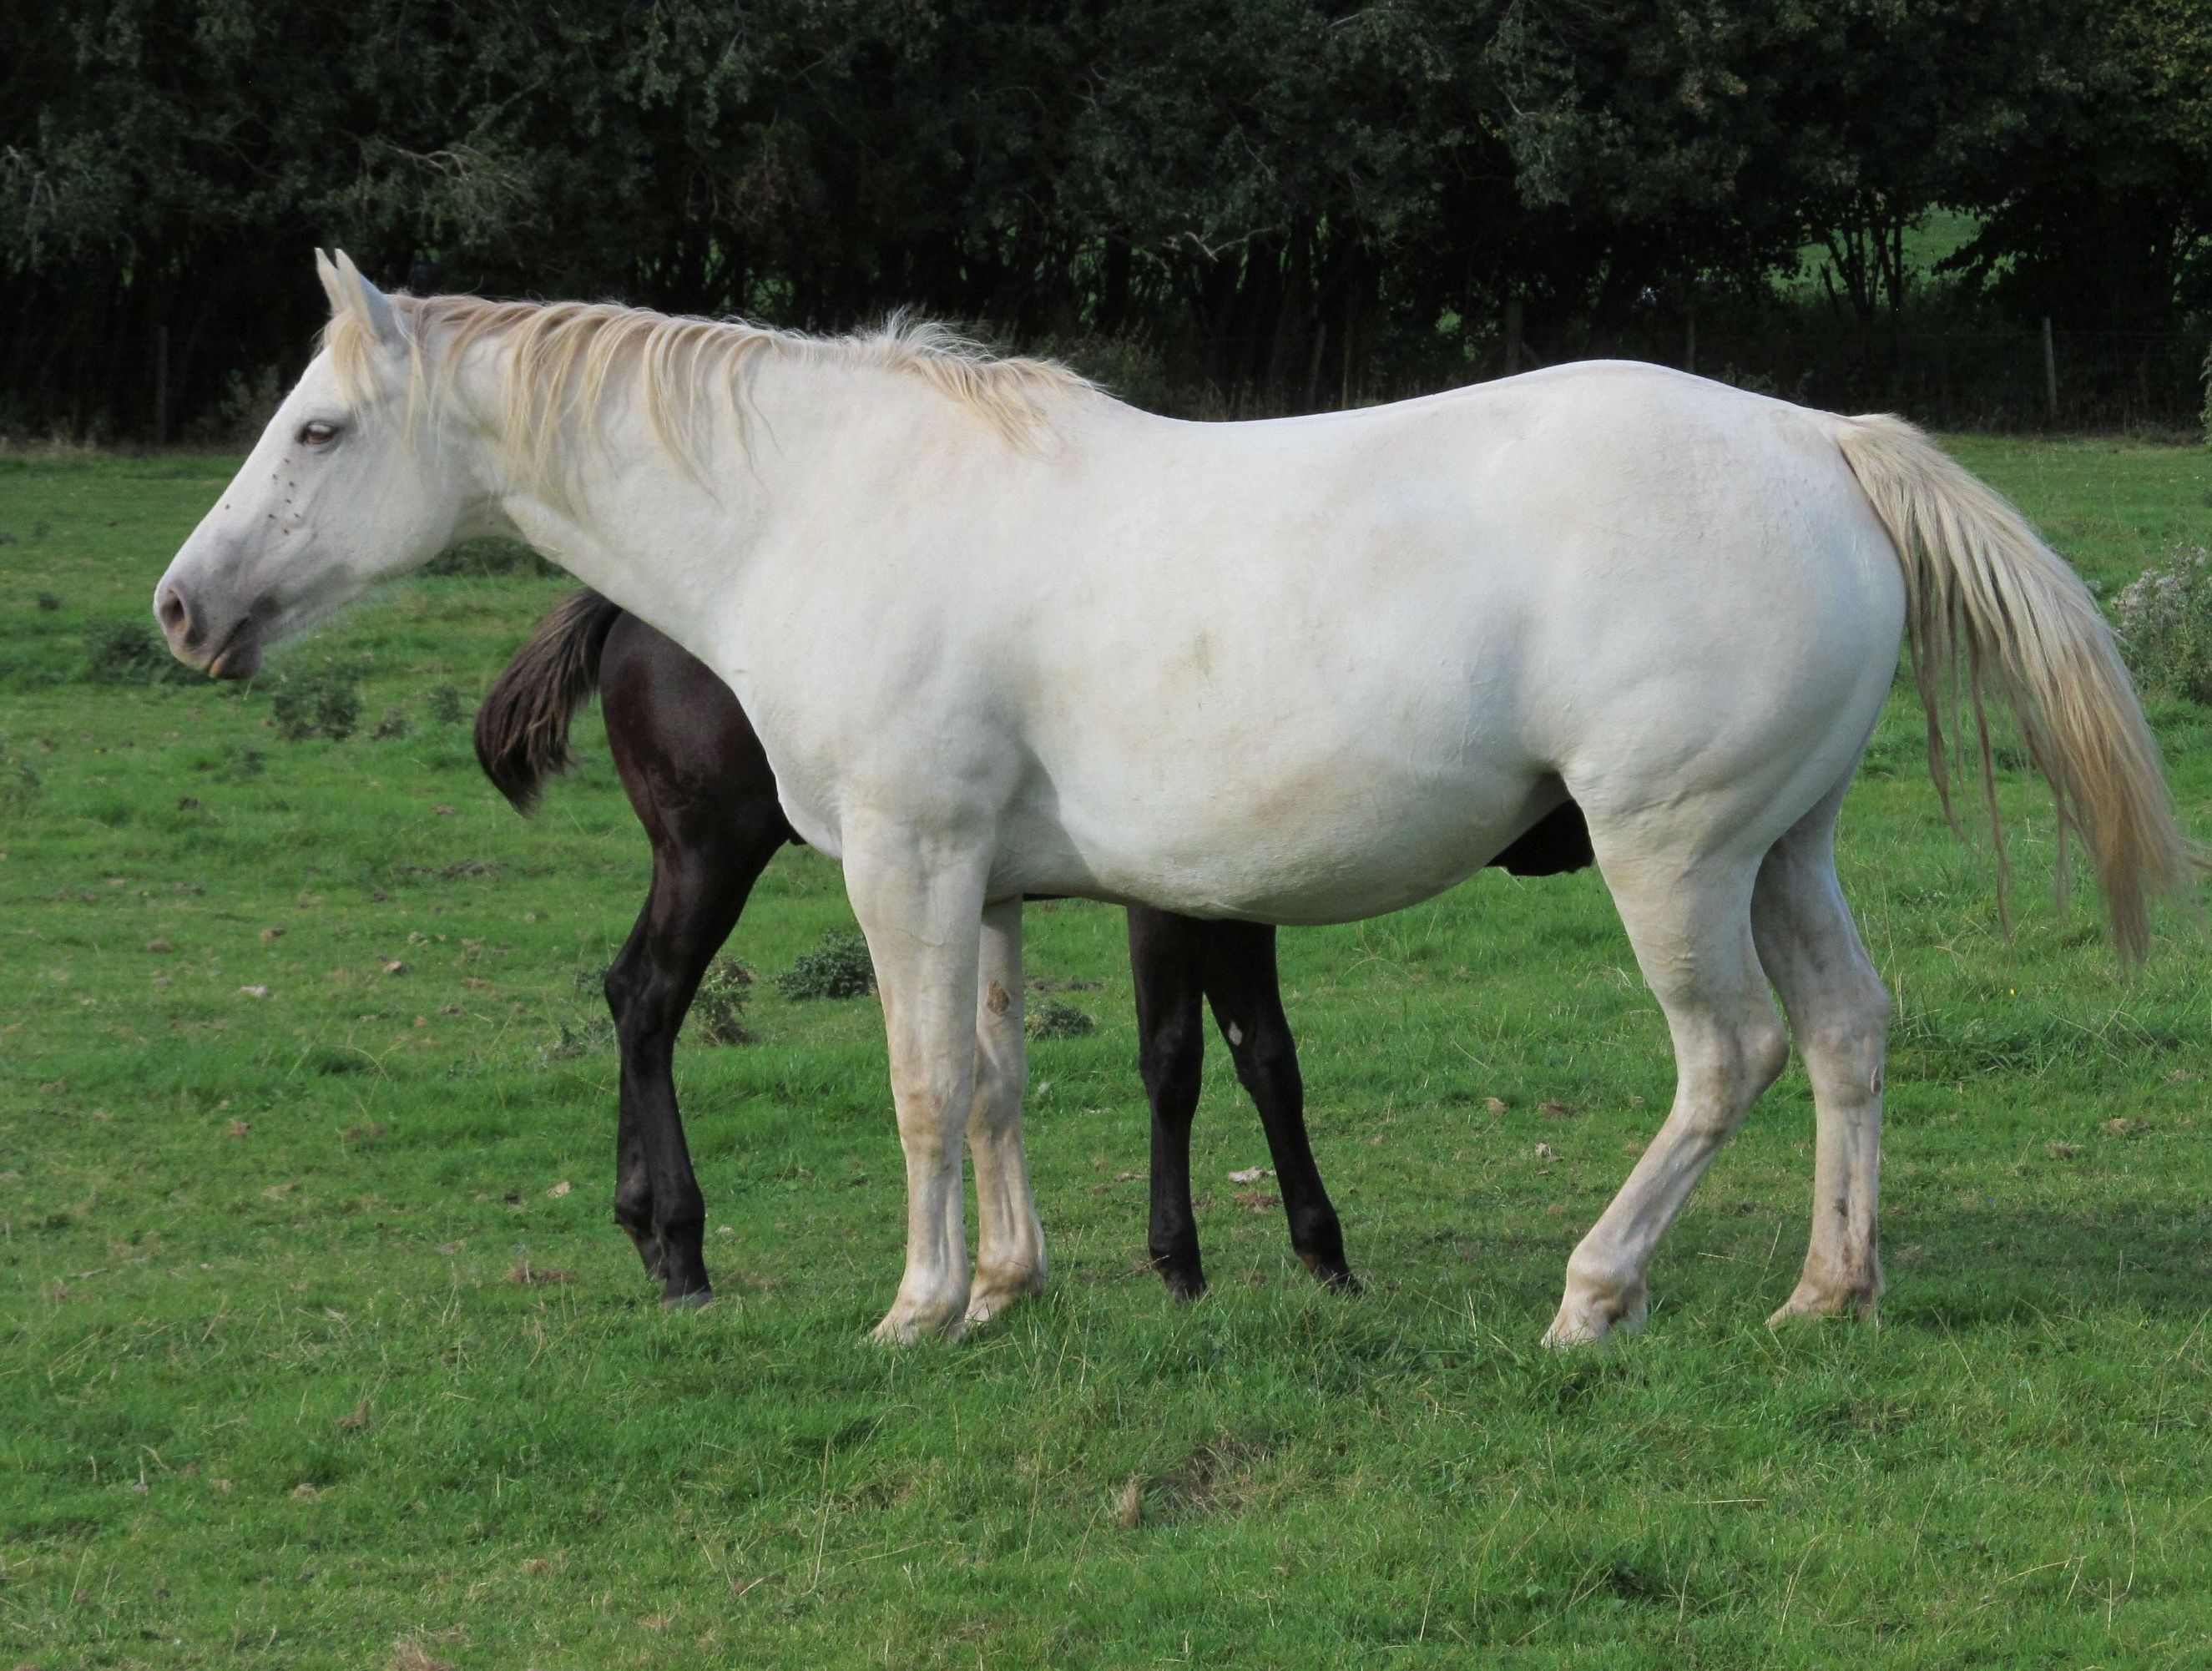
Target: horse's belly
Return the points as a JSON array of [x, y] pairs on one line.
[[1301, 853]]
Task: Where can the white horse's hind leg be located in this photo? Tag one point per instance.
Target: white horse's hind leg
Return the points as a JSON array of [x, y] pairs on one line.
[[1010, 1251], [1839, 1014], [1691, 931], [920, 911]]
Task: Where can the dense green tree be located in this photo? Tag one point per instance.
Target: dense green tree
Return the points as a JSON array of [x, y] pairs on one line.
[[1288, 203], [2098, 211]]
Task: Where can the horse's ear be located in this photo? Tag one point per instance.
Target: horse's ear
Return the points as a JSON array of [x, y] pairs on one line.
[[351, 293], [329, 274]]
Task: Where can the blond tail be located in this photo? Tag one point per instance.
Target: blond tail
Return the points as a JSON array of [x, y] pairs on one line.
[[1982, 589]]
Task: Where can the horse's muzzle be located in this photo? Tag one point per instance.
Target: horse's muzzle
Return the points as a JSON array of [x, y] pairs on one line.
[[198, 638]]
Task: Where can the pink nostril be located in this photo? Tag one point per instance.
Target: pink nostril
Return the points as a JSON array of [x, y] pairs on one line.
[[176, 617]]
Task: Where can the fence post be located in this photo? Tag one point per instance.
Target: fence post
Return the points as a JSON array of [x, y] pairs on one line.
[[2050, 373], [1512, 335]]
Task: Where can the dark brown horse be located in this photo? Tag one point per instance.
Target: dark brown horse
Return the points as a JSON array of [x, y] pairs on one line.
[[701, 785]]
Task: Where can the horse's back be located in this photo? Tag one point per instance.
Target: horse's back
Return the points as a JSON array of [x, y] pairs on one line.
[[1391, 629]]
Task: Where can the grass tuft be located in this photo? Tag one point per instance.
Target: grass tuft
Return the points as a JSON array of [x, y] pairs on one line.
[[127, 652], [321, 702]]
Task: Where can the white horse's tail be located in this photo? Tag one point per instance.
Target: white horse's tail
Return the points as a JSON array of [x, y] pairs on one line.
[[1981, 588]]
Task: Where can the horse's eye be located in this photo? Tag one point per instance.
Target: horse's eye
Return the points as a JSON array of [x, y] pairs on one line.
[[317, 435]]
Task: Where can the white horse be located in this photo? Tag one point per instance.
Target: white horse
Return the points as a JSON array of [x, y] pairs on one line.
[[1001, 634]]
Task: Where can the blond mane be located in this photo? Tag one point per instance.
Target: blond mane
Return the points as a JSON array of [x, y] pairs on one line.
[[561, 357]]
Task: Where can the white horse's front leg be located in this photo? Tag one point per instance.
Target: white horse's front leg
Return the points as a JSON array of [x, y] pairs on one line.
[[1010, 1242], [920, 908]]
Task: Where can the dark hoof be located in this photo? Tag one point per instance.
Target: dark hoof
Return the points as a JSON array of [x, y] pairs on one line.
[[697, 1300], [1333, 1274], [1184, 1282]]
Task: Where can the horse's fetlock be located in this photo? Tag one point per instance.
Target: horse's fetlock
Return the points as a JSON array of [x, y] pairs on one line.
[[1594, 1274], [1317, 1235]]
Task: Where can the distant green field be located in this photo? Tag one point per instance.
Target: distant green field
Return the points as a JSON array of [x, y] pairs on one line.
[[318, 1347]]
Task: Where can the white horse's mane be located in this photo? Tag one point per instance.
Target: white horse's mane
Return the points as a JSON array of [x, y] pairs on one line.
[[559, 358]]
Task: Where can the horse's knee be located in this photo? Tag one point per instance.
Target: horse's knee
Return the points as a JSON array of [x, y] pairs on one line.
[[1846, 1044], [1001, 1077], [1268, 1062], [1170, 1060], [645, 1010], [616, 986]]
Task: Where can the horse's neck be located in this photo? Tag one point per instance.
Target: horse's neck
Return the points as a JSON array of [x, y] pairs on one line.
[[670, 539]]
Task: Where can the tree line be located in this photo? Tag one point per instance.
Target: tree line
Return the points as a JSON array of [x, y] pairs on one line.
[[1216, 205]]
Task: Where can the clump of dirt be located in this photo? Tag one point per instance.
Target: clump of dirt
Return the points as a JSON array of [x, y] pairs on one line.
[[1053, 1019]]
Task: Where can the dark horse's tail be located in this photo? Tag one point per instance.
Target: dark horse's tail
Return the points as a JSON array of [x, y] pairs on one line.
[[522, 729]]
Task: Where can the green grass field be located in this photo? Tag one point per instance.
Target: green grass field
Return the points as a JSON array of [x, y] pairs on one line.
[[318, 1346]]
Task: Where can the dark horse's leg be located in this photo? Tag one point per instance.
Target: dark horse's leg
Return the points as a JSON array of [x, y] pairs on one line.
[[1175, 962], [696, 776], [1166, 959], [1243, 987], [1178, 960], [698, 889]]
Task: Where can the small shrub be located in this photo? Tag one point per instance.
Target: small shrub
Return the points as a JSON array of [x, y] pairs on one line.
[[838, 967], [129, 653], [717, 1012], [446, 707], [596, 1034], [237, 764], [1053, 1019], [482, 557], [19, 780], [322, 703], [391, 728], [2165, 620]]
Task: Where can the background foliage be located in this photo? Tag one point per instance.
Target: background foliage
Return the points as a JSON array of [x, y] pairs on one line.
[[1217, 204]]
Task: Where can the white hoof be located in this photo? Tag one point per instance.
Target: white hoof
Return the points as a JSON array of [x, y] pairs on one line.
[[1585, 1320], [1812, 1300], [994, 1293], [910, 1320]]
